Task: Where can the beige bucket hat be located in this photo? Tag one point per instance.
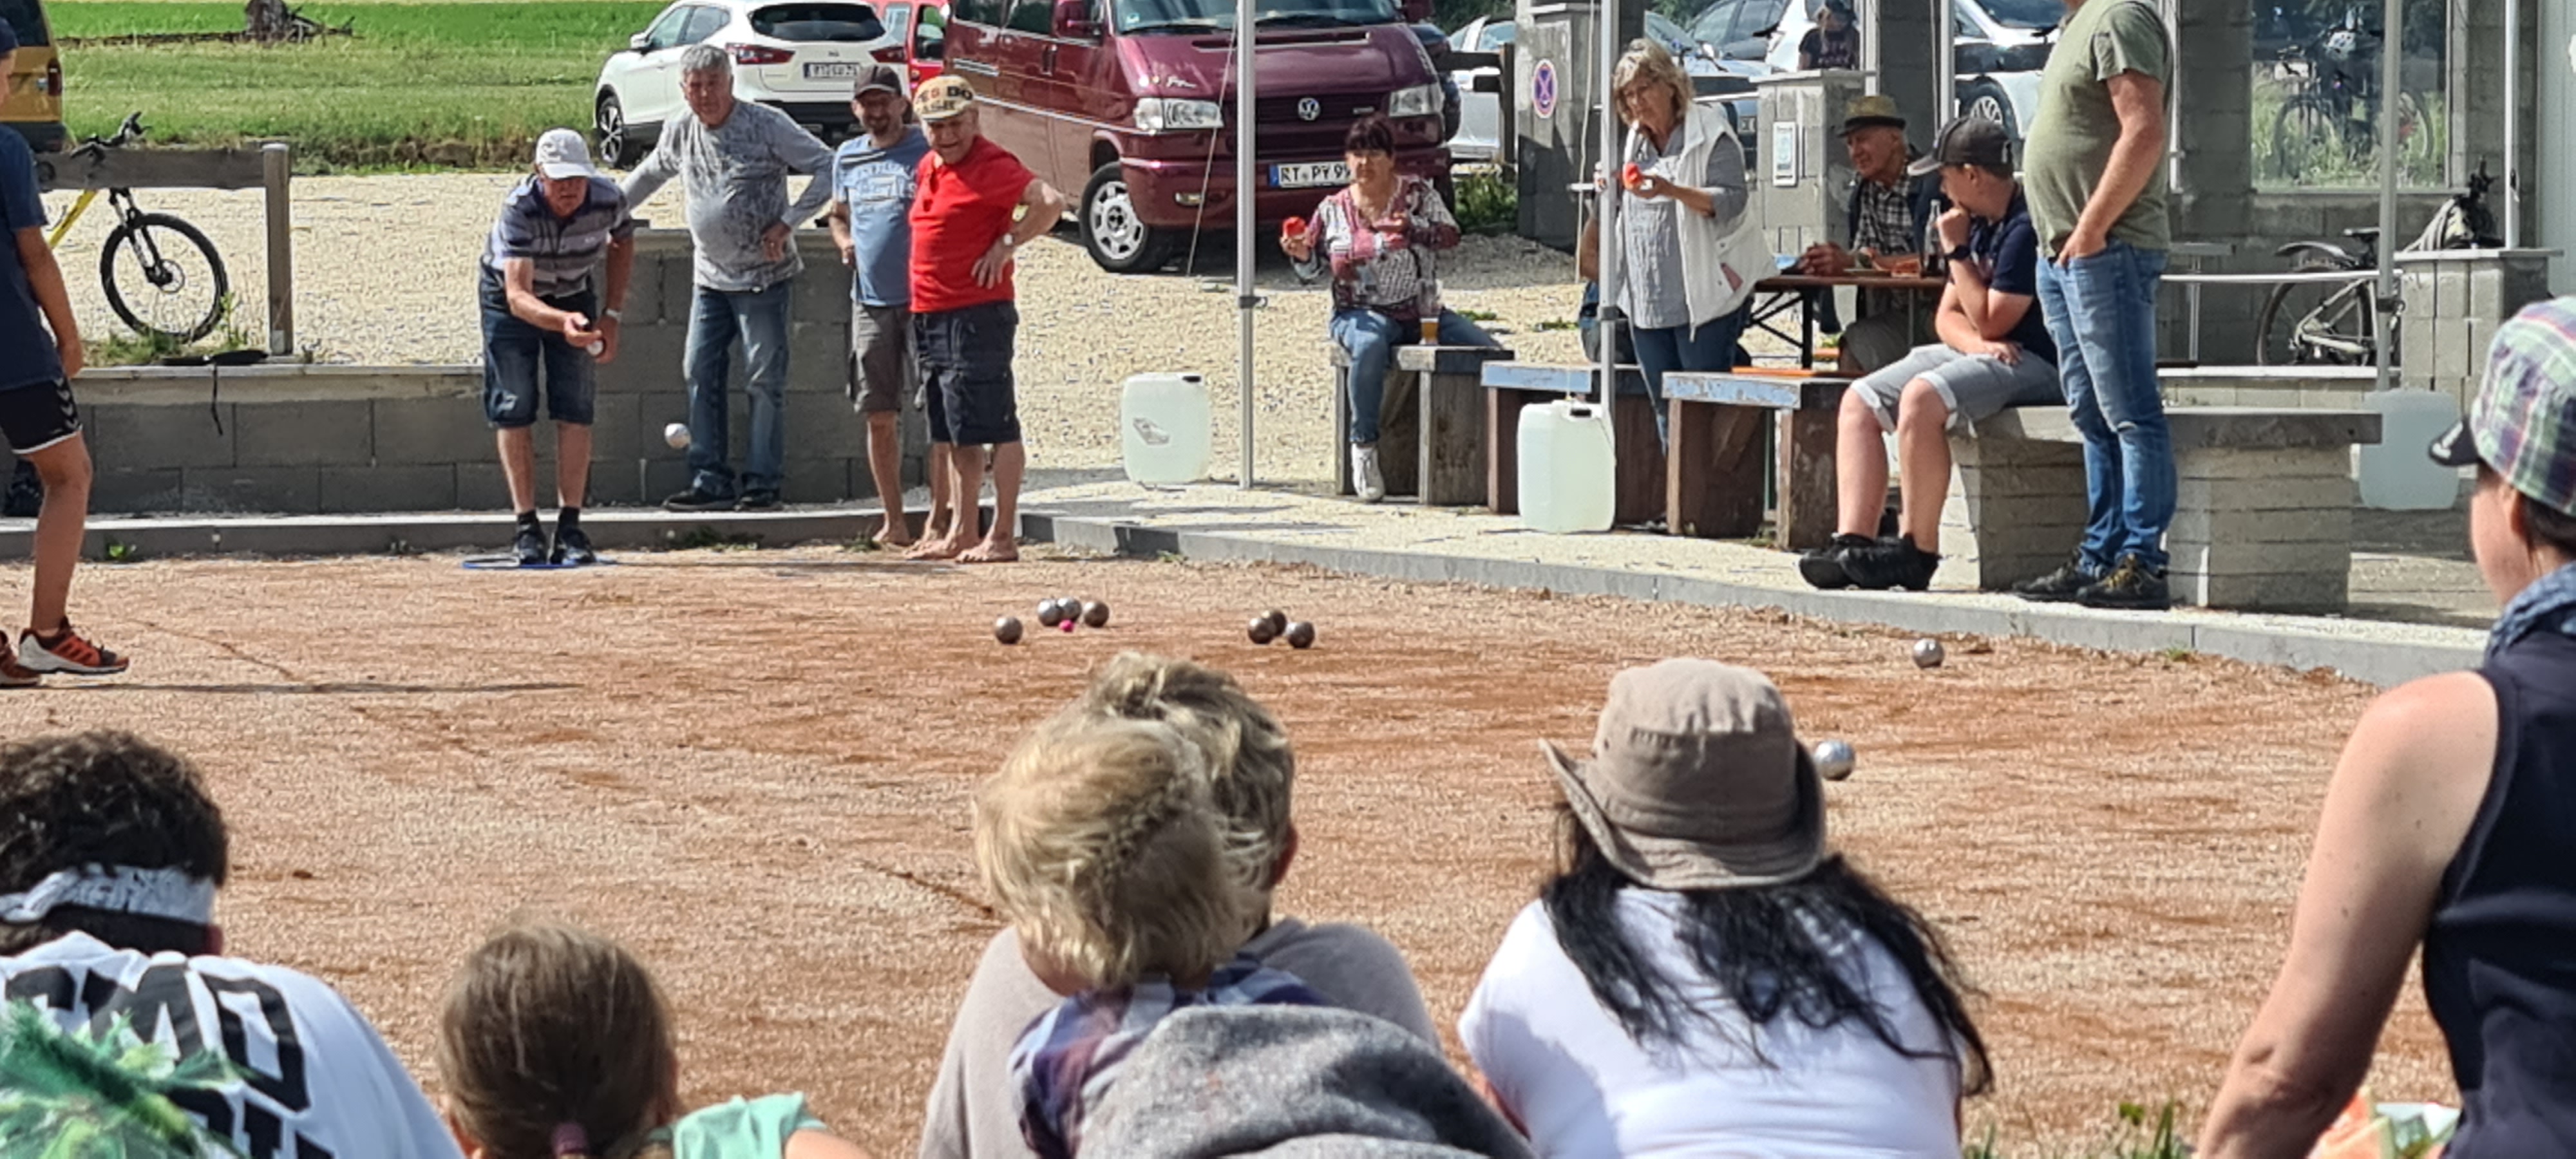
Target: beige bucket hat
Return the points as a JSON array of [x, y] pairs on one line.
[[1697, 780]]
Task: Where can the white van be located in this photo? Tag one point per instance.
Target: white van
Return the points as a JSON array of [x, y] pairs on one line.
[[2001, 47]]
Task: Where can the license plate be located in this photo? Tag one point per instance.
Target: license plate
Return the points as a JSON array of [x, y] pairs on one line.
[[832, 70], [1310, 175]]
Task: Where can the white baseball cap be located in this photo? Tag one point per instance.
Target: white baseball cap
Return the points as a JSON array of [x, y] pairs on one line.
[[562, 153]]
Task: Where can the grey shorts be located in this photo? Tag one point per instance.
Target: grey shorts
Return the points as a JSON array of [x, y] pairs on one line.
[[882, 374], [1974, 387]]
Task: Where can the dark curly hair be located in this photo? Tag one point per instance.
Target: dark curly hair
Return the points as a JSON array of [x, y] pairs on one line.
[[1370, 134], [105, 798]]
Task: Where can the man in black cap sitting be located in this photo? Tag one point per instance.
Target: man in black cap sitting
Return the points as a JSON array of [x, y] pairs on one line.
[[1994, 352], [1887, 219]]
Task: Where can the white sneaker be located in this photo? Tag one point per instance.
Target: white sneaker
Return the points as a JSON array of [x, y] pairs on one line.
[[1365, 477]]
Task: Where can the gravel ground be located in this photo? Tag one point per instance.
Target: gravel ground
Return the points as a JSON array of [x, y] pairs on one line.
[[385, 273]]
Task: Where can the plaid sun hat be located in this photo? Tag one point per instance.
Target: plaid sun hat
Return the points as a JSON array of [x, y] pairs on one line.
[[2523, 423]]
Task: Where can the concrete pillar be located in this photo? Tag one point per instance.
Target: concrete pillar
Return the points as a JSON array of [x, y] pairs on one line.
[[1558, 138], [2552, 172]]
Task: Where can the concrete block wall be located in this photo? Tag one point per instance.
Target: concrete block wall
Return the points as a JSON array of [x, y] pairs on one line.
[[295, 439], [2015, 510], [2267, 528], [2454, 303]]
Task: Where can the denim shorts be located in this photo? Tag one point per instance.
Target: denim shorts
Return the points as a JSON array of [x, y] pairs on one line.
[[514, 352], [966, 373]]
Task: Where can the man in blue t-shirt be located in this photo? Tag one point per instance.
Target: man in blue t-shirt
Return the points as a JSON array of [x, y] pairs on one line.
[[1995, 352], [874, 178], [38, 417]]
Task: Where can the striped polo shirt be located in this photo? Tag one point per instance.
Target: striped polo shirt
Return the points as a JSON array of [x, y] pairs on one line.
[[564, 249]]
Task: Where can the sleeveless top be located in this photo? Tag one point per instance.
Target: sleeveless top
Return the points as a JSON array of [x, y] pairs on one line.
[[2500, 954]]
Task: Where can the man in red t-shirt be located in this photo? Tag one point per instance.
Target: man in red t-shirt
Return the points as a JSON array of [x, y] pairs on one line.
[[963, 319]]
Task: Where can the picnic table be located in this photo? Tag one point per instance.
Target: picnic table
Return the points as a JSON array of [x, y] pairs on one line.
[[1781, 294]]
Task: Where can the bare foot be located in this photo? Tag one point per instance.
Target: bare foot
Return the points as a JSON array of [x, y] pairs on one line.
[[892, 532], [998, 549], [935, 549]]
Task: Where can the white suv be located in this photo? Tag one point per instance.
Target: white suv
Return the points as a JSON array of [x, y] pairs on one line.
[[799, 56], [2001, 47]]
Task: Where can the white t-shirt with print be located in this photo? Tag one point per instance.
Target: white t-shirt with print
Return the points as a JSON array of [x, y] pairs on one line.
[[1582, 1087], [320, 1083]]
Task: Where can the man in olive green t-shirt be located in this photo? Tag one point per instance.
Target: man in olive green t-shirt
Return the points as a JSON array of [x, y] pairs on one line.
[[2095, 177]]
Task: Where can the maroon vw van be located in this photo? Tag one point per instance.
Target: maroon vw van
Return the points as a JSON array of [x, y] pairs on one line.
[[1132, 103]]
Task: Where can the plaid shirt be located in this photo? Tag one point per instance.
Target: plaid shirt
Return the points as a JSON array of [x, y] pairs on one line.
[[1067, 1058], [1886, 226]]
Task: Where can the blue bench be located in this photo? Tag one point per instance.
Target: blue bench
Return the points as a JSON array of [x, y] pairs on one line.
[[1714, 471]]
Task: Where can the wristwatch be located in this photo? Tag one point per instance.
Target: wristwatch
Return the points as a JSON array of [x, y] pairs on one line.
[[1958, 255]]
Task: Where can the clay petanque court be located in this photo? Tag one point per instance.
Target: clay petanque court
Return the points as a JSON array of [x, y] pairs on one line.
[[755, 768]]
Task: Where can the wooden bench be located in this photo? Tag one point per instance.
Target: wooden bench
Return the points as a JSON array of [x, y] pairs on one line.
[[2262, 518], [1431, 423], [1713, 471], [1511, 386]]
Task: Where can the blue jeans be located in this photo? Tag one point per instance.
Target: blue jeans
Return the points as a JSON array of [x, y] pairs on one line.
[[2102, 312], [759, 317], [1371, 339], [1708, 346]]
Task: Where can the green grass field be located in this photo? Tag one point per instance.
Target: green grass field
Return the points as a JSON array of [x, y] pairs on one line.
[[419, 85]]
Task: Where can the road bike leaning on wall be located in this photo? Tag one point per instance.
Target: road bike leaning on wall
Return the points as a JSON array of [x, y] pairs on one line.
[[161, 275], [2342, 329]]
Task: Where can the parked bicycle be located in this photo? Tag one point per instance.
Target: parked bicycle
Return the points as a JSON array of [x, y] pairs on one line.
[[2342, 327], [161, 274], [2331, 119]]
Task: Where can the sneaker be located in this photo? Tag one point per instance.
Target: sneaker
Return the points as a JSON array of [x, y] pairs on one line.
[[1823, 567], [2132, 586], [530, 546], [16, 675], [2057, 587], [572, 546], [1365, 477], [68, 654], [762, 499], [694, 499], [1881, 566]]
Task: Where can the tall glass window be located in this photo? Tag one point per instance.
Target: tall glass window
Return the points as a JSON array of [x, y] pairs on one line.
[[2318, 100]]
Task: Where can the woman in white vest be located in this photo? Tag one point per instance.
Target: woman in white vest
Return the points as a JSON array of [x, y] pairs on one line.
[[1689, 253]]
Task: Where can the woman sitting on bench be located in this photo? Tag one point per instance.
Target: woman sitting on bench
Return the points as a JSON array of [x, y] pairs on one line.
[[1378, 234]]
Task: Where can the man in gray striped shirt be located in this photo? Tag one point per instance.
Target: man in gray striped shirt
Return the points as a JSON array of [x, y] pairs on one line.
[[542, 321], [734, 158]]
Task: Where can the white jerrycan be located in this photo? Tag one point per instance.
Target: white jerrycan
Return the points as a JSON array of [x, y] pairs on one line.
[[2396, 475], [1165, 425], [1569, 467]]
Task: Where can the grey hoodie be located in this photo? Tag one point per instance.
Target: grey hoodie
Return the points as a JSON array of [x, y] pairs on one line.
[[1291, 1081]]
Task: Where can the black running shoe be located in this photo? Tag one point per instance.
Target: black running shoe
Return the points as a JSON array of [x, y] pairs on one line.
[[1881, 566], [530, 546], [572, 546], [2132, 586], [2061, 586], [762, 499], [694, 499], [1823, 567]]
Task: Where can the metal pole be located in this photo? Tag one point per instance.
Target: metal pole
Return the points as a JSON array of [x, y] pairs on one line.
[[2392, 36], [1945, 66], [276, 169], [1246, 189], [1606, 217], [2512, 124]]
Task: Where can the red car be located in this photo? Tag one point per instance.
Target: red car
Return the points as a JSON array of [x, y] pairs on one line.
[[1132, 103], [923, 29]]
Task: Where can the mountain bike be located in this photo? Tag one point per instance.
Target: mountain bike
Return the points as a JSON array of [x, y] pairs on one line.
[[162, 276], [2342, 327], [2330, 121]]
